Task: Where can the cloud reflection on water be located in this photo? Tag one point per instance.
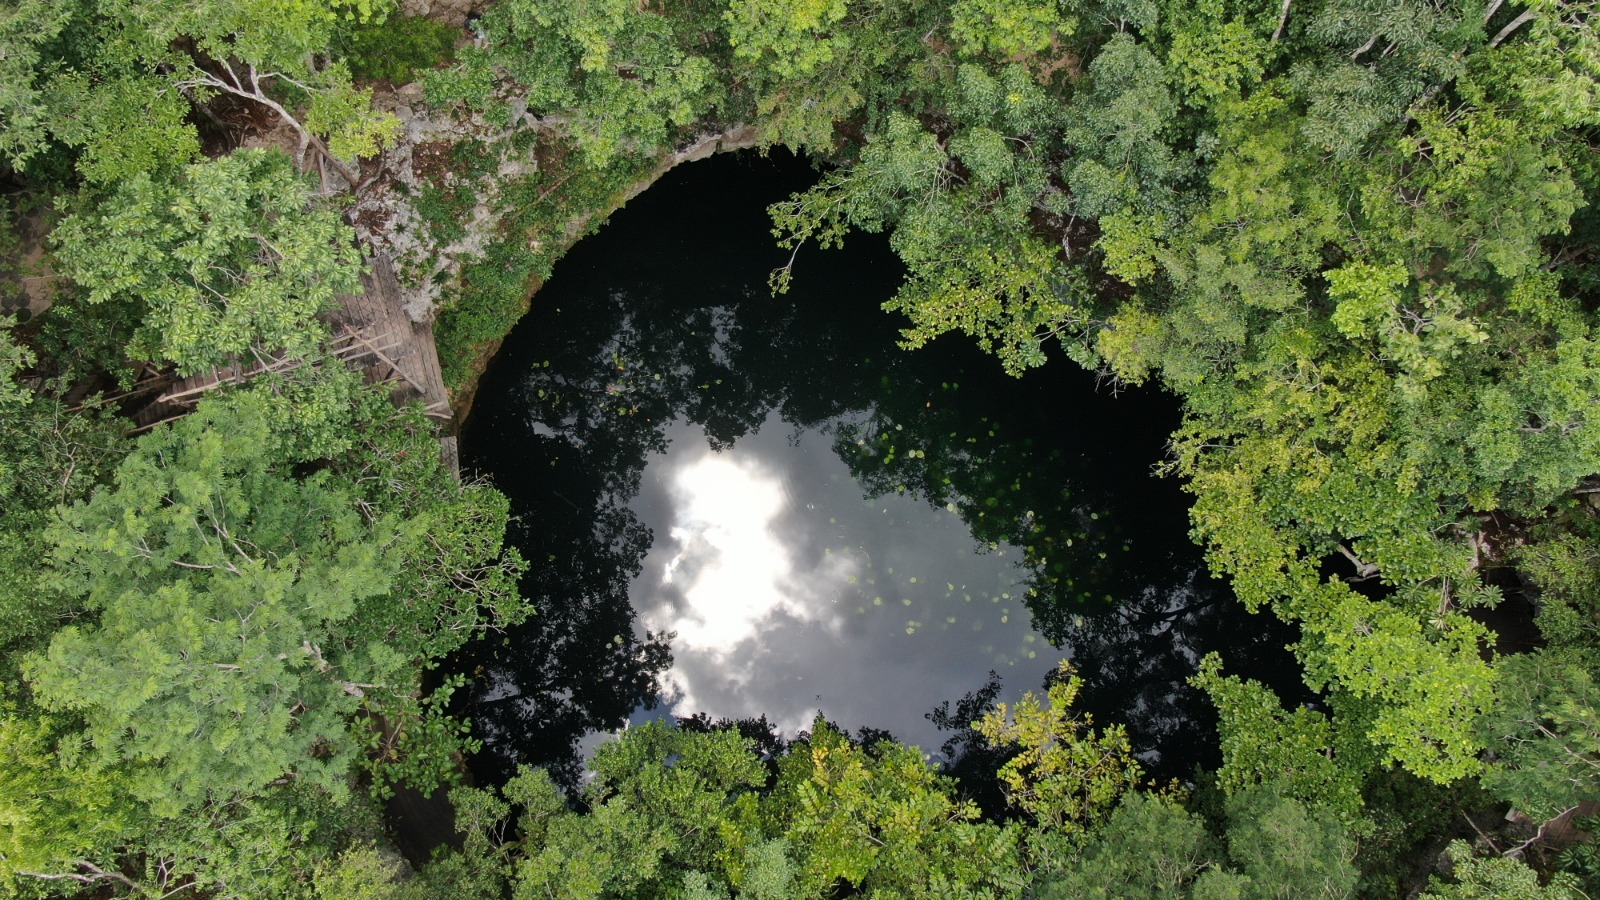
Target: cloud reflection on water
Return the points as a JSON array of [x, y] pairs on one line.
[[790, 592], [651, 325]]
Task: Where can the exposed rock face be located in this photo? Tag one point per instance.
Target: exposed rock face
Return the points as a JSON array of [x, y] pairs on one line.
[[38, 286], [27, 282], [387, 215], [450, 12]]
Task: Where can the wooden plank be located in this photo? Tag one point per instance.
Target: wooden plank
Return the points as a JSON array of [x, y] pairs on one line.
[[143, 428], [148, 384], [371, 325], [397, 370]]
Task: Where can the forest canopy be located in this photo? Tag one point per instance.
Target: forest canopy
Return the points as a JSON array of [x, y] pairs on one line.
[[1355, 238]]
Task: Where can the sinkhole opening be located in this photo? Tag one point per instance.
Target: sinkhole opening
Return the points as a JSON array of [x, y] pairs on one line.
[[736, 505]]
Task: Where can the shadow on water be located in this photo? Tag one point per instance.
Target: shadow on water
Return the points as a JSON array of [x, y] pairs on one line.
[[658, 337]]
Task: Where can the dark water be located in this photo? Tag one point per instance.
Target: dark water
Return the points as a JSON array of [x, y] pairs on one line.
[[741, 505]]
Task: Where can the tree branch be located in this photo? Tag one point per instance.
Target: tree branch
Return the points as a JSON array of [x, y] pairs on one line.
[[1511, 26], [254, 92], [1537, 835], [1364, 570], [96, 874]]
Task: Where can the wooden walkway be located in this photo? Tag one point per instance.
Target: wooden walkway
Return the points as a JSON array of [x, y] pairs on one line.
[[414, 359], [371, 332]]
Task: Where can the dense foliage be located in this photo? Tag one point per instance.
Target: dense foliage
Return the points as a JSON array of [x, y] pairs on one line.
[[1356, 238]]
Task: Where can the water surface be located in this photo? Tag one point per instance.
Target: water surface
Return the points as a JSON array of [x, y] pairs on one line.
[[738, 505]]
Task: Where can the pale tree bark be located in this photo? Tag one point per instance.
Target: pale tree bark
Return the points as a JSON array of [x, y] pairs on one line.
[[245, 82], [1283, 19], [1364, 569], [93, 874], [1511, 26]]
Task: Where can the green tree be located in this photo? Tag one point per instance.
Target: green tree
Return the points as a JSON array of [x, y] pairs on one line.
[[1008, 27], [230, 261], [1150, 847], [1498, 877], [961, 210], [1220, 50], [285, 604], [880, 818], [624, 80], [1280, 849], [1065, 775], [50, 810], [216, 579], [1544, 732], [1262, 743], [1274, 847], [264, 581], [802, 70], [786, 37], [664, 801], [1120, 128], [48, 455], [365, 873], [675, 810], [123, 126], [116, 79], [27, 27]]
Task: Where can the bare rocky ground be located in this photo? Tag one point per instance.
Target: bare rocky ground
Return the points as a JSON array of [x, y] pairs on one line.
[[24, 259], [386, 216], [450, 12]]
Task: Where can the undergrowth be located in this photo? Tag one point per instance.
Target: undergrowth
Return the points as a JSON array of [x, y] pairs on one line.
[[398, 48], [537, 209]]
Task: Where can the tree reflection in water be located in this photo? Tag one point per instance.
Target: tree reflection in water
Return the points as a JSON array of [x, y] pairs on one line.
[[653, 323]]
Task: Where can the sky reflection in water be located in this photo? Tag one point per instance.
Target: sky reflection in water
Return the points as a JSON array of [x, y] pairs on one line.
[[789, 592], [688, 455]]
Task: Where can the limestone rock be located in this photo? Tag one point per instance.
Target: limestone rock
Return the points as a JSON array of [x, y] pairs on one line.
[[450, 12]]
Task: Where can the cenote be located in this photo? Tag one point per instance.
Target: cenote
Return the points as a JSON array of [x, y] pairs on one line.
[[739, 505]]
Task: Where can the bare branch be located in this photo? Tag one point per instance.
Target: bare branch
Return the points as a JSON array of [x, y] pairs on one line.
[[1537, 835], [1511, 26], [95, 874], [1364, 570], [1364, 47], [234, 84]]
